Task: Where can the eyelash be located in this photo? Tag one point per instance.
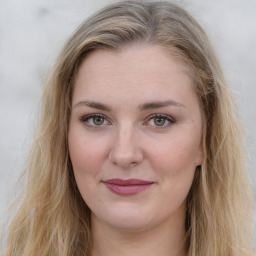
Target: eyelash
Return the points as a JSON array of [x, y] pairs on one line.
[[167, 118], [170, 120], [85, 119]]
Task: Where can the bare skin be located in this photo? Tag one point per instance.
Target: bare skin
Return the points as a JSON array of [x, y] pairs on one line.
[[135, 116]]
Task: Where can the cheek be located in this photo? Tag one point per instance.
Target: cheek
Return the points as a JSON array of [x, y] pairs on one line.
[[175, 156], [175, 161], [85, 153], [87, 158]]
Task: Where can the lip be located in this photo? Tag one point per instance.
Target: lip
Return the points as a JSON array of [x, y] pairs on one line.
[[127, 187]]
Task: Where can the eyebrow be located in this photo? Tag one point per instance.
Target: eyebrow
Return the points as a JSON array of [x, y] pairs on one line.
[[142, 107], [92, 104], [159, 104]]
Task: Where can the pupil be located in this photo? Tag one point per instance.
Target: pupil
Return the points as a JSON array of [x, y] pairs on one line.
[[98, 120], [159, 121]]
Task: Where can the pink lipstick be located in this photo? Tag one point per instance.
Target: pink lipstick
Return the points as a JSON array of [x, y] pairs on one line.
[[127, 187]]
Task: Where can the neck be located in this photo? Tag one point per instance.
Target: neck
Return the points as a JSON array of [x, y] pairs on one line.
[[167, 239]]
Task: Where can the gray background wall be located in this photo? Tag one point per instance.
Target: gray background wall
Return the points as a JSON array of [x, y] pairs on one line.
[[32, 33]]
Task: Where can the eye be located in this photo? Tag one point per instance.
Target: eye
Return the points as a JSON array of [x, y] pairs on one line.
[[95, 120], [160, 120]]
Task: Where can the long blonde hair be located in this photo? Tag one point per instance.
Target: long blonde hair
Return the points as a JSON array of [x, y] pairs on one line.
[[54, 220]]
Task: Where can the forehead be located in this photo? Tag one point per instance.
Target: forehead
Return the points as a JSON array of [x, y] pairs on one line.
[[149, 70], [133, 58]]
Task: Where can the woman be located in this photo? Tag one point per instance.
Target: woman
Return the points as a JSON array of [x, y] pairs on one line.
[[138, 150]]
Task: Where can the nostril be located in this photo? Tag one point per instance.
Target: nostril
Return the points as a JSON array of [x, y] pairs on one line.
[[125, 151], [125, 159]]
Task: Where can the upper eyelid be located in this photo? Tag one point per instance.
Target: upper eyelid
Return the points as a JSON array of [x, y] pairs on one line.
[[170, 121], [87, 116], [84, 118], [162, 116]]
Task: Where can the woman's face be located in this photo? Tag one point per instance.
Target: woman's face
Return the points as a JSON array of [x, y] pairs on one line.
[[134, 136]]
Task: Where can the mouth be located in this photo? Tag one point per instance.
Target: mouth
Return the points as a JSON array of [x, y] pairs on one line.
[[127, 187]]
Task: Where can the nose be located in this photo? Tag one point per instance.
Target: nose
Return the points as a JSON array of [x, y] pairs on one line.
[[125, 151]]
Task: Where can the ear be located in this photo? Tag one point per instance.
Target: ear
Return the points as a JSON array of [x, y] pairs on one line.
[[200, 155]]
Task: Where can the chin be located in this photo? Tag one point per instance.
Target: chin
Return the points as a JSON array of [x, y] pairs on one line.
[[125, 219]]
